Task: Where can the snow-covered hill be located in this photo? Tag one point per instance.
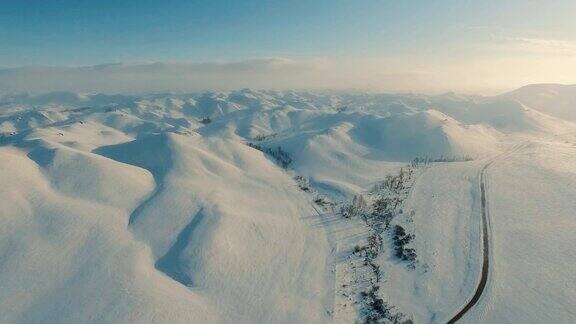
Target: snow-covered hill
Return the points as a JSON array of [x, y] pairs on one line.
[[230, 206], [553, 99]]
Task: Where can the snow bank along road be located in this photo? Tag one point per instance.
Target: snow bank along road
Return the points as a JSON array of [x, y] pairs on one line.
[[485, 235]]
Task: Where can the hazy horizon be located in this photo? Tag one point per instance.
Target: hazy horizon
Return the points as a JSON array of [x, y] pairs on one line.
[[413, 46], [264, 74]]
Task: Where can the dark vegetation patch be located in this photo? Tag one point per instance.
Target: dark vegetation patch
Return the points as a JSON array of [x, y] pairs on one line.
[[260, 138], [401, 239], [281, 157], [378, 208], [419, 161]]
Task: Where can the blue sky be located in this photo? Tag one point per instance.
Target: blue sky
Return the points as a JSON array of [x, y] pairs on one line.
[[425, 32]]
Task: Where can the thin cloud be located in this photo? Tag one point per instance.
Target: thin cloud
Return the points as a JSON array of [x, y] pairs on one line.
[[529, 45]]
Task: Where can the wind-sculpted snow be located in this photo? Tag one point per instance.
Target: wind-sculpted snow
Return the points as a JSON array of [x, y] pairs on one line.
[[210, 224], [223, 206]]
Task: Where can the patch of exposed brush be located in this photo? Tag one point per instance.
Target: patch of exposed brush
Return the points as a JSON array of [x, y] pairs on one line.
[[281, 157], [378, 208]]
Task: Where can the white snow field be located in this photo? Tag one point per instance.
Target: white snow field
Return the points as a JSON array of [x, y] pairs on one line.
[[287, 207], [533, 223]]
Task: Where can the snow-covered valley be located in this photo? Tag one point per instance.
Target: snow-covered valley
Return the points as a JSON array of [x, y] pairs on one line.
[[287, 207]]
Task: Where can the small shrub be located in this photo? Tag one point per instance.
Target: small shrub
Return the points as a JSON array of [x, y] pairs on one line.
[[401, 239]]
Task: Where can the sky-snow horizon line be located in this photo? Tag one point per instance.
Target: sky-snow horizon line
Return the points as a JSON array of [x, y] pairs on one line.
[[383, 74]]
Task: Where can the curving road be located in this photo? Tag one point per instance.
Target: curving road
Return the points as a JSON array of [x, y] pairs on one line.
[[485, 238], [485, 249]]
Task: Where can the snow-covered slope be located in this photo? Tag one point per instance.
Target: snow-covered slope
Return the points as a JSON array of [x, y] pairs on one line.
[[553, 99], [67, 256], [228, 206], [533, 222]]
